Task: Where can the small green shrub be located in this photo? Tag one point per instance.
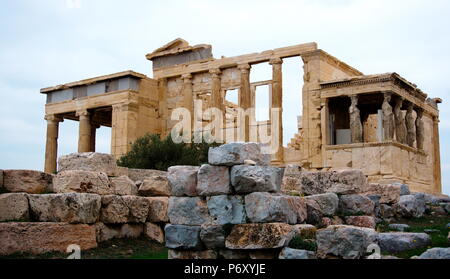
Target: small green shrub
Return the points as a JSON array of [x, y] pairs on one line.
[[298, 242]]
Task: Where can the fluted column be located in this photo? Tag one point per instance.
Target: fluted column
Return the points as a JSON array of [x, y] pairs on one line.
[[162, 106], [245, 98], [84, 132], [277, 104], [51, 146]]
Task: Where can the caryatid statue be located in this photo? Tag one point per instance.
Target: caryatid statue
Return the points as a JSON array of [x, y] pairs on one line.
[[410, 126], [355, 120], [420, 129], [388, 117], [400, 126]]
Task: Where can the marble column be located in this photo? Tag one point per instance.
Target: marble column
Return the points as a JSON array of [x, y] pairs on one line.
[[84, 132], [217, 100], [245, 97], [388, 117], [277, 104], [94, 128], [410, 126], [400, 126], [420, 129], [355, 120], [51, 146], [162, 106]]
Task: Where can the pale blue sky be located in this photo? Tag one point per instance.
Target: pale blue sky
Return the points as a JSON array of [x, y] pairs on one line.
[[49, 42]]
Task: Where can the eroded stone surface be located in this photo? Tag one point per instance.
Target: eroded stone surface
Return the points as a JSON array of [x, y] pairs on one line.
[[436, 253], [28, 181], [192, 255], [182, 237], [188, 211], [89, 161], [154, 232], [236, 153], [259, 236], [14, 207], [79, 181], [249, 179], [124, 209], [410, 206], [158, 211], [328, 203], [155, 186], [227, 209], [396, 242], [361, 221], [124, 186], [213, 180], [356, 204], [296, 254], [213, 236], [183, 180]]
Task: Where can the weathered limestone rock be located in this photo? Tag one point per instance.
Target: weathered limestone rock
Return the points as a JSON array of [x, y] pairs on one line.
[[259, 236], [124, 209], [348, 242], [389, 193], [328, 203], [436, 253], [399, 227], [192, 255], [248, 179], [14, 207], [110, 231], [292, 170], [105, 232], [69, 208], [410, 206], [28, 181], [183, 180], [314, 183], [158, 211], [356, 204], [386, 212], [154, 232], [82, 182], [305, 231], [182, 237], [188, 211], [213, 180], [234, 254], [213, 236], [155, 186], [124, 186], [314, 212], [227, 209], [296, 254], [236, 153], [433, 199], [291, 184], [142, 174], [361, 221], [269, 208], [400, 241], [89, 161], [347, 182], [38, 238], [131, 230], [330, 221]]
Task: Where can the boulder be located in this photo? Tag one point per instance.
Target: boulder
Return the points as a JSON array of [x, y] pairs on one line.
[[290, 184], [39, 238], [305, 231], [389, 193], [386, 212], [248, 179], [347, 182], [28, 181], [79, 181], [404, 188], [154, 232], [329, 221], [399, 227], [88, 161], [14, 207], [296, 254], [410, 206], [158, 210], [213, 180], [188, 211], [328, 203], [192, 255], [272, 208], [344, 241], [361, 221], [227, 209], [124, 209], [314, 183], [259, 236], [396, 242], [234, 254], [183, 180], [314, 212], [436, 254], [433, 199], [124, 186], [155, 186], [292, 170], [70, 208], [183, 237], [236, 153], [213, 236], [356, 204]]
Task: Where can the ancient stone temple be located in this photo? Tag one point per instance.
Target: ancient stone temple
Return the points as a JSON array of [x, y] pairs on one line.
[[382, 124]]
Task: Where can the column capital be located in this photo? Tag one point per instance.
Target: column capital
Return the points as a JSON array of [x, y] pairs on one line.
[[83, 112], [126, 105], [245, 68], [275, 61], [53, 117], [186, 77], [215, 72]]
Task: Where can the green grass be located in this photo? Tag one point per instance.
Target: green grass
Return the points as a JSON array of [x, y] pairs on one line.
[[298, 242], [140, 248]]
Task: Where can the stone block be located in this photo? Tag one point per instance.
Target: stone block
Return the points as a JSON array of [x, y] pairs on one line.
[[410, 206], [236, 153], [111, 231], [79, 181], [183, 180], [158, 210], [272, 208], [124, 209], [226, 209], [396, 242], [259, 236], [14, 207], [248, 179], [154, 232], [305, 231], [183, 237], [124, 186], [28, 181], [155, 186], [328, 203], [39, 238], [356, 204], [213, 236], [436, 254], [314, 212], [296, 254], [68, 208], [188, 211], [88, 161], [361, 221], [389, 193], [143, 174], [213, 180]]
